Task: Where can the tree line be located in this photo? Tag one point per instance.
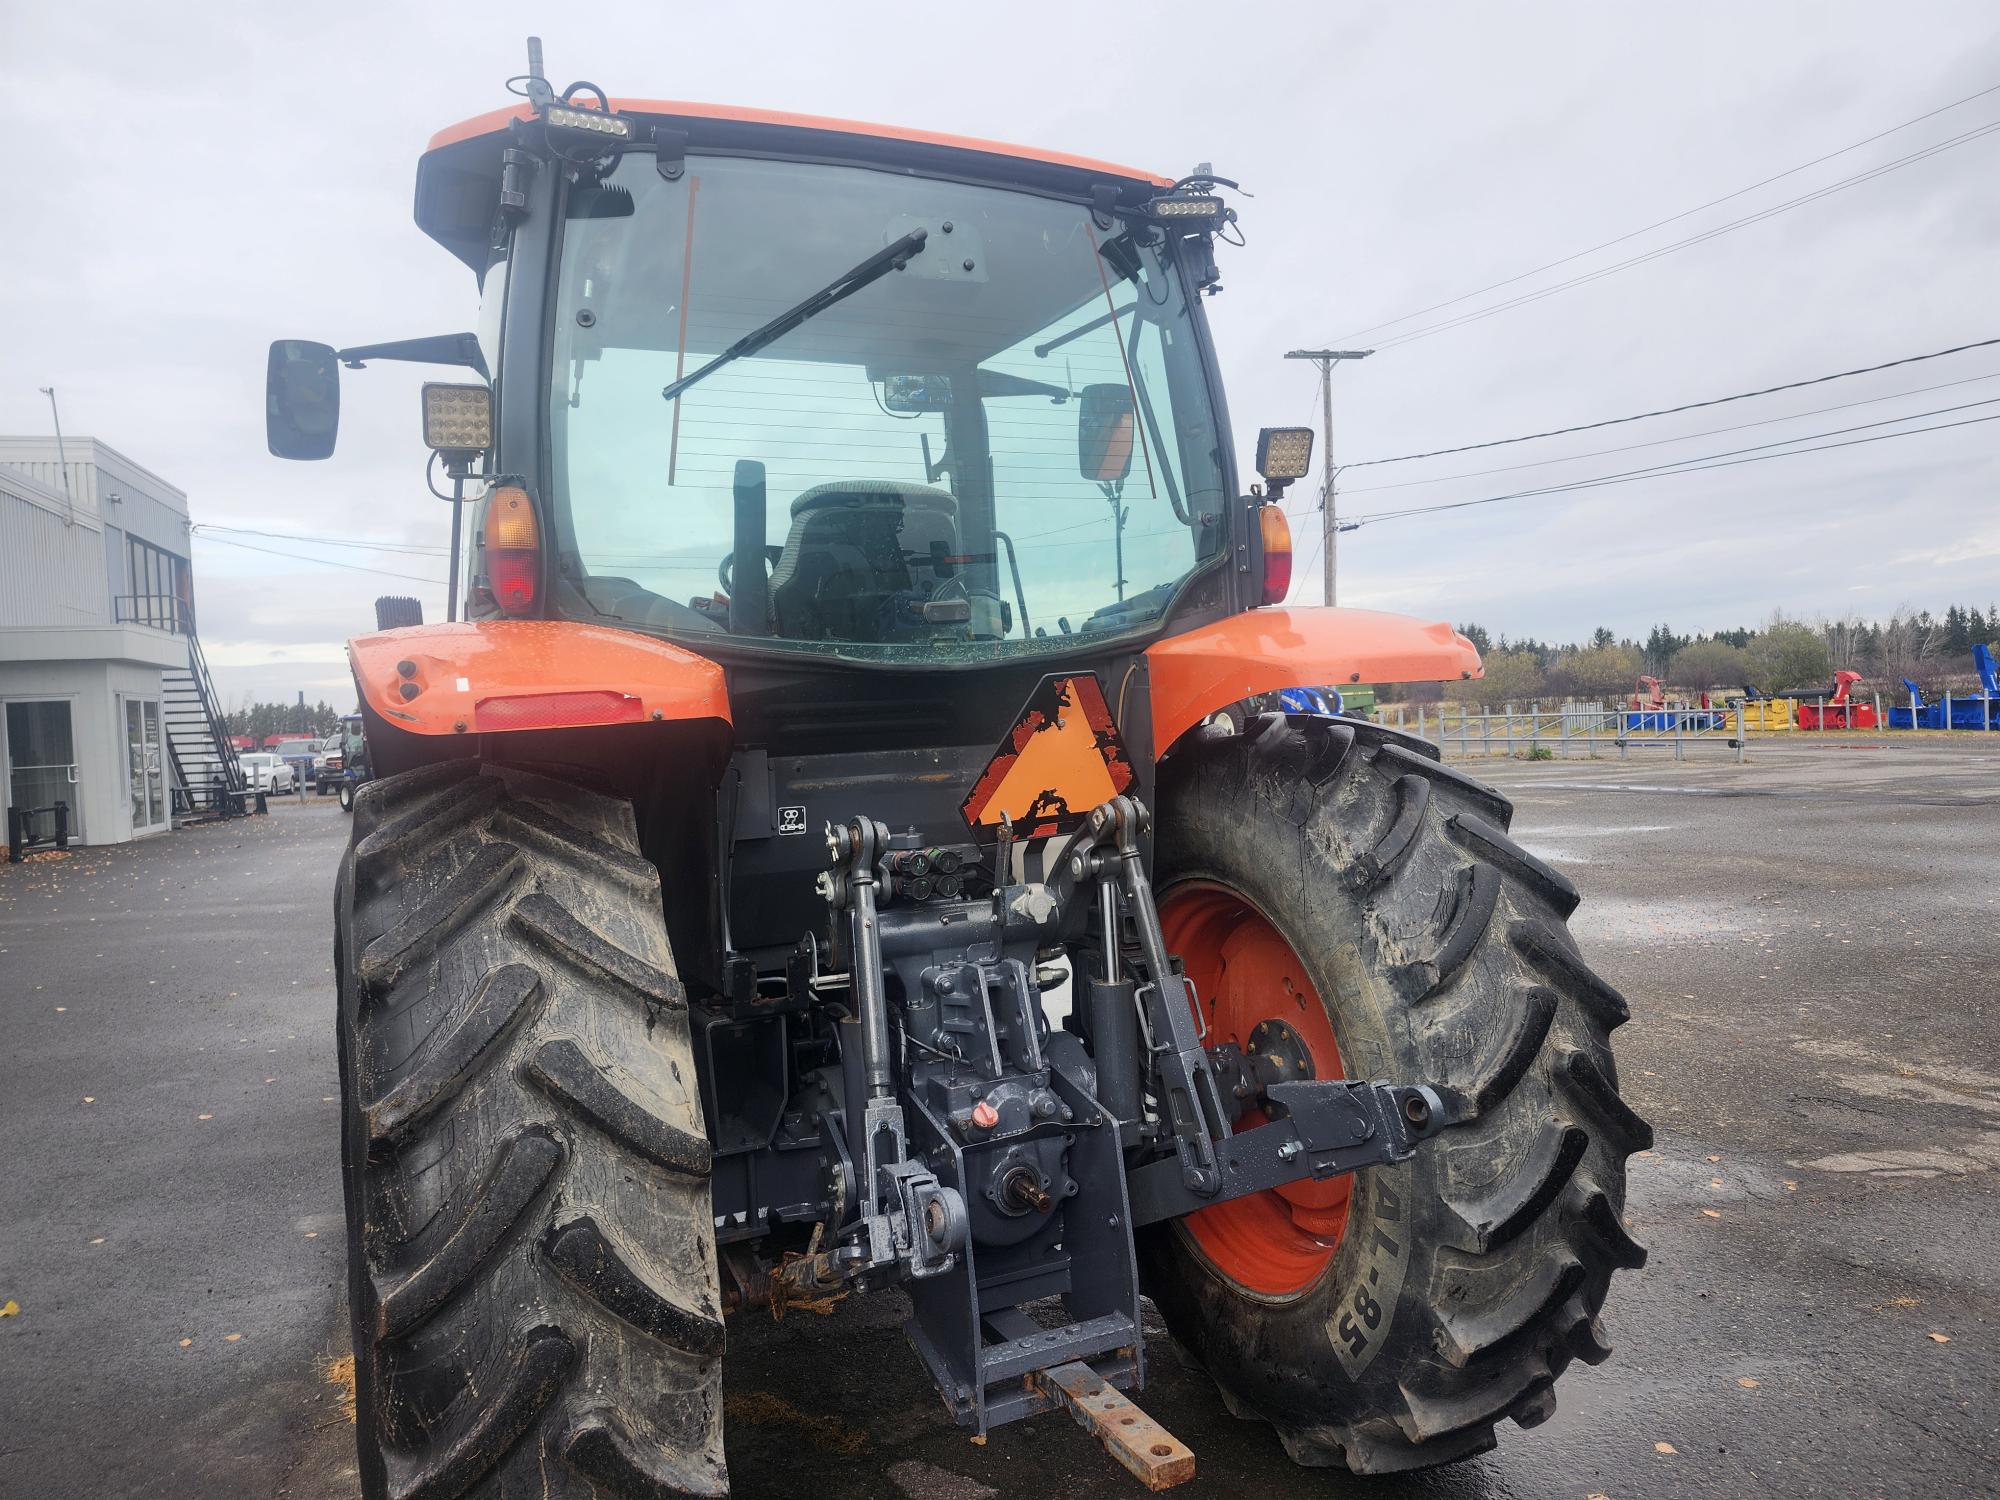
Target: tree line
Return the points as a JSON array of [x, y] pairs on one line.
[[261, 720], [1782, 654]]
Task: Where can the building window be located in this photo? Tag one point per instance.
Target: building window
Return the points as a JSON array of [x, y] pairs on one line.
[[162, 588]]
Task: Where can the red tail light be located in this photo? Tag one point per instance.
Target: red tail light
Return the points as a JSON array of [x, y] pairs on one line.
[[513, 550], [1277, 534]]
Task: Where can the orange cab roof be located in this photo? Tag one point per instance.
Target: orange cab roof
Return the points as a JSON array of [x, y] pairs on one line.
[[496, 120]]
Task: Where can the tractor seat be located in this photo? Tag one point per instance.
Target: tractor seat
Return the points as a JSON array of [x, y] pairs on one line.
[[858, 551]]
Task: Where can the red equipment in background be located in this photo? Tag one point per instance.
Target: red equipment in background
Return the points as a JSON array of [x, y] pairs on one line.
[[1839, 711]]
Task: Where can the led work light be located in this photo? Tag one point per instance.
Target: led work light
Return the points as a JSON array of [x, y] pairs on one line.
[[458, 418], [1203, 207], [589, 121], [1284, 453]]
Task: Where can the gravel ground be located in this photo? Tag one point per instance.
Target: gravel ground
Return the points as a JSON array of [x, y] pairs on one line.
[[1808, 942]]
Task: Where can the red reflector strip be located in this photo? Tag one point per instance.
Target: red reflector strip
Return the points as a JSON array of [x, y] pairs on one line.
[[556, 710]]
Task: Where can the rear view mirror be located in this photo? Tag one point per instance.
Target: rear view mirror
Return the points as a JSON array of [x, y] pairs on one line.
[[301, 399], [908, 394], [1104, 433]]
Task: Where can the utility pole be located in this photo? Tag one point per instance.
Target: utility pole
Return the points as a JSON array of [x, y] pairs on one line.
[[1329, 544]]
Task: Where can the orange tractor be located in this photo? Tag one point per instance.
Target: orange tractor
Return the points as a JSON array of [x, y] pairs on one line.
[[699, 952]]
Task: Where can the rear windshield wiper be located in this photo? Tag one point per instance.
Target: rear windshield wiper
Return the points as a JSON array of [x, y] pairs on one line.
[[891, 258]]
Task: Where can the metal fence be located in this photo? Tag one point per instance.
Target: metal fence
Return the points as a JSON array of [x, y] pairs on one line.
[[1597, 729], [1573, 730]]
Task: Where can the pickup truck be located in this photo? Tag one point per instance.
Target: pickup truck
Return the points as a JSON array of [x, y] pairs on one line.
[[328, 763]]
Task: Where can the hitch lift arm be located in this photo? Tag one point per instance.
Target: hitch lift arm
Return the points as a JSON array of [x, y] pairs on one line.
[[1327, 1127]]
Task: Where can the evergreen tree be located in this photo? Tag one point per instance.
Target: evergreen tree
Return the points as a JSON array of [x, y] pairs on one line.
[[1957, 638]]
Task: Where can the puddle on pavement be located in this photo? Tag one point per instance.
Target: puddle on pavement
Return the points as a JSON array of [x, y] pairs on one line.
[[1926, 1084]]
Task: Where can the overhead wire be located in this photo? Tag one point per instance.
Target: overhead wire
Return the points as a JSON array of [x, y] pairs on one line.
[[1671, 218], [1668, 411], [1689, 466], [1585, 278], [1685, 437], [325, 562], [417, 548]]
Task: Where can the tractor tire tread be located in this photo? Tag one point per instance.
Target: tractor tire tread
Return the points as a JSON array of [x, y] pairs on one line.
[[1550, 1163], [560, 1070], [1413, 795], [562, 936], [531, 1381], [449, 1060], [1510, 1057], [1496, 851], [476, 1229], [531, 1241]]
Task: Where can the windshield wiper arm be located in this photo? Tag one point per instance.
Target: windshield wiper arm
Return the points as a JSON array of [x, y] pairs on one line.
[[890, 258]]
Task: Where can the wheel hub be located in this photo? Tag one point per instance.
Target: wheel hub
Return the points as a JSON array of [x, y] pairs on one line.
[[1256, 994], [1277, 1053]]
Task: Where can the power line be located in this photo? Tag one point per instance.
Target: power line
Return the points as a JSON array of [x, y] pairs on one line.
[[323, 562], [1673, 218], [1311, 556], [1585, 278], [1542, 463], [421, 548], [1668, 411], [1688, 466], [1684, 465]]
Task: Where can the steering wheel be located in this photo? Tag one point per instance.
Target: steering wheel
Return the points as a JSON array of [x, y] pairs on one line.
[[725, 571]]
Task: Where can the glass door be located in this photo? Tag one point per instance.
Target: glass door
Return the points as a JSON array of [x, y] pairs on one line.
[[145, 772], [41, 763]]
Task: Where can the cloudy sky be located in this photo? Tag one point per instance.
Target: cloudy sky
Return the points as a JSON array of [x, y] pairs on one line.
[[179, 193]]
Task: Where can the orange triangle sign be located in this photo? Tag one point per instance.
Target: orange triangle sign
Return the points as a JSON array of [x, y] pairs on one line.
[[1063, 757]]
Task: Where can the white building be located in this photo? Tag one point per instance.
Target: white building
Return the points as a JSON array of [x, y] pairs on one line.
[[105, 704]]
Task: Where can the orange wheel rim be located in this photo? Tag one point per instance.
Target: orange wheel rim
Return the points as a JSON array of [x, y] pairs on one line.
[[1277, 1242]]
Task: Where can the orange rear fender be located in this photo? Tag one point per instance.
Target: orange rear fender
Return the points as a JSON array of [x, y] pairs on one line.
[[492, 676], [1264, 650]]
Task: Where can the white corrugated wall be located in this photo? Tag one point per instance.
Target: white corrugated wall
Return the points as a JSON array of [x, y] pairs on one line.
[[51, 569]]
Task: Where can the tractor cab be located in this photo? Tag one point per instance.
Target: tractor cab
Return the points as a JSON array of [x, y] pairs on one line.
[[822, 389]]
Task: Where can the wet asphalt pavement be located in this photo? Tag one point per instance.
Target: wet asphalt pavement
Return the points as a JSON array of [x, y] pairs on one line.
[[1809, 944]]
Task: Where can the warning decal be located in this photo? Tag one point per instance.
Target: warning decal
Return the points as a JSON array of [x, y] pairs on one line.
[[1063, 757]]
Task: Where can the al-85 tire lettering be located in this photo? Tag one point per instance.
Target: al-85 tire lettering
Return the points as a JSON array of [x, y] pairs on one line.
[[1468, 1278]]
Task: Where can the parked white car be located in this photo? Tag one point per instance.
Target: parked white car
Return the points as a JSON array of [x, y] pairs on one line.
[[265, 772]]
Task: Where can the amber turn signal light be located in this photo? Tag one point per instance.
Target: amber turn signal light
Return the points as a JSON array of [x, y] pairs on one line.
[[1276, 533], [513, 549]]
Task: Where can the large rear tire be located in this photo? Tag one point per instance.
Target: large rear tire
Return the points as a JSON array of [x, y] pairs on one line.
[[531, 1253], [1317, 864]]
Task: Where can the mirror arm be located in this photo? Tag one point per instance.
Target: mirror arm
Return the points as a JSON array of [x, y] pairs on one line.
[[439, 349]]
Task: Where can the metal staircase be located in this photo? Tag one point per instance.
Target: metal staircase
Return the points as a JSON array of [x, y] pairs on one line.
[[207, 777]]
